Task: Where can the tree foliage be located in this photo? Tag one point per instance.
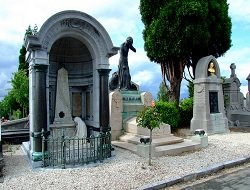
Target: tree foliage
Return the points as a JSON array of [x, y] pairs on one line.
[[20, 84], [149, 118], [186, 112], [178, 33], [163, 93], [17, 98], [23, 65]]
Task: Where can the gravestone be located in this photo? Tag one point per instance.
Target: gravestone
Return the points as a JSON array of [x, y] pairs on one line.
[[125, 105], [63, 117], [208, 108], [237, 113], [248, 95]]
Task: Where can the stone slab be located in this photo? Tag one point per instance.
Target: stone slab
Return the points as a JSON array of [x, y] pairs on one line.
[[178, 148]]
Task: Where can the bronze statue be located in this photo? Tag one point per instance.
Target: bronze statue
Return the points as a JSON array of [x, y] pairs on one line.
[[211, 68], [124, 78]]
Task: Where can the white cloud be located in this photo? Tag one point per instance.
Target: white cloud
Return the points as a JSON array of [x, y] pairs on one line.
[[239, 10], [144, 77], [244, 90], [241, 59]]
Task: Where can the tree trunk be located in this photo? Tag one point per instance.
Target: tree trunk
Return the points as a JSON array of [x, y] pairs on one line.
[[150, 149], [174, 73]]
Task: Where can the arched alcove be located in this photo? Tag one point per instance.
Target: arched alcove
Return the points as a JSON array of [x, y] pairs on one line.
[[74, 56]]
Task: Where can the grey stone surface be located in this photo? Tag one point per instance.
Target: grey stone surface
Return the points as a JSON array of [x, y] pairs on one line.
[[235, 162], [190, 177], [237, 113], [202, 173], [236, 180], [208, 109]]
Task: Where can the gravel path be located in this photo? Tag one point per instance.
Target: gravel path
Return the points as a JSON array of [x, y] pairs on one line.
[[123, 171]]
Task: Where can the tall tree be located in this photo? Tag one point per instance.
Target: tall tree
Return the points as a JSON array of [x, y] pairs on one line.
[[163, 93], [18, 96], [23, 65], [20, 89], [178, 33]]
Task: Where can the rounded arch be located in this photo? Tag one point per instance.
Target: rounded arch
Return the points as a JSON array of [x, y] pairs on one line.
[[201, 70], [71, 23]]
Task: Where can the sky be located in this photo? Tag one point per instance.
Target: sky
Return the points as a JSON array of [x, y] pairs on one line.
[[121, 18]]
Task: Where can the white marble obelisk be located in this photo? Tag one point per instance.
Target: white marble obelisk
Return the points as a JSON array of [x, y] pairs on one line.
[[63, 109]]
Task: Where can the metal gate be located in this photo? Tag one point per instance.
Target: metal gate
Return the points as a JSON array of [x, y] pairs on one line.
[[72, 151]]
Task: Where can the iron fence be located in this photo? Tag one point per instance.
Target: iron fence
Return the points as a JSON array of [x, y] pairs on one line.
[[72, 151]]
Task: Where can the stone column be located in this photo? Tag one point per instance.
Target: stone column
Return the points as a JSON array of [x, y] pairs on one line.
[[248, 93], [104, 100], [39, 110]]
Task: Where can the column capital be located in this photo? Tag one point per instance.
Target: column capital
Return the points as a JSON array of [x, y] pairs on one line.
[[103, 72], [40, 67]]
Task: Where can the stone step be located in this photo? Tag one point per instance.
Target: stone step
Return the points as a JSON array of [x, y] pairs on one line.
[[157, 141], [174, 149], [125, 145]]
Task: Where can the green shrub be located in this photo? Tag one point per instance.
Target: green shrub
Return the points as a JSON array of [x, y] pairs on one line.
[[186, 112], [169, 113]]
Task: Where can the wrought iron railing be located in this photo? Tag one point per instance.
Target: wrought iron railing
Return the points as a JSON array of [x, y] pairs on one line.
[[71, 151]]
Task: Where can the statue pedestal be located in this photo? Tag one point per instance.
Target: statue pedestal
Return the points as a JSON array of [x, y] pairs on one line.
[[69, 130], [125, 105]]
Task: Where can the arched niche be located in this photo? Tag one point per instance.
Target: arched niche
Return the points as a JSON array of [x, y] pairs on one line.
[[203, 65]]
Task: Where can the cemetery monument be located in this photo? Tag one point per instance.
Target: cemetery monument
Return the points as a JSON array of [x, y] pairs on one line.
[[68, 73], [208, 108], [237, 112]]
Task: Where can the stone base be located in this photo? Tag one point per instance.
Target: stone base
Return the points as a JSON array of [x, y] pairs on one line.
[[69, 130], [132, 127], [26, 149], [215, 124], [203, 140], [143, 150]]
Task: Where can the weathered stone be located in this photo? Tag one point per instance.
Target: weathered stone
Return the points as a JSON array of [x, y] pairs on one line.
[[208, 109]]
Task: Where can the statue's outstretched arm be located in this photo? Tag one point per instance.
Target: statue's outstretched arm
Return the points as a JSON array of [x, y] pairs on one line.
[[132, 48]]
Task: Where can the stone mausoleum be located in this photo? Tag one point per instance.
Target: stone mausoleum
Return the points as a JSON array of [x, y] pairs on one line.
[[69, 72]]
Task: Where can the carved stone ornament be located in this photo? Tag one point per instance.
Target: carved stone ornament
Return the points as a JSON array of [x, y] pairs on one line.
[[199, 88]]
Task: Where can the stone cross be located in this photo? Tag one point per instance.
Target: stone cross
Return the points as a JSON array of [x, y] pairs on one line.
[[233, 67], [248, 80]]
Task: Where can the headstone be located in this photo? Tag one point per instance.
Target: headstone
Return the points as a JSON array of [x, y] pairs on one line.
[[248, 95], [125, 105], [63, 108], [63, 118], [208, 109], [236, 112], [116, 109]]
